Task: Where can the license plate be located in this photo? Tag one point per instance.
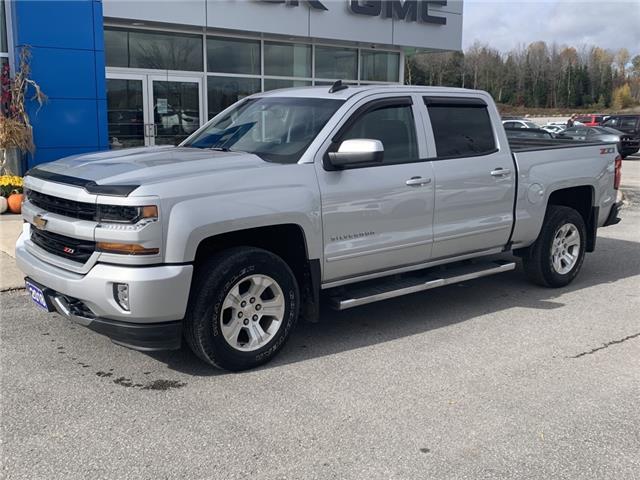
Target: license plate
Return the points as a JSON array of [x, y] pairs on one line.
[[37, 295]]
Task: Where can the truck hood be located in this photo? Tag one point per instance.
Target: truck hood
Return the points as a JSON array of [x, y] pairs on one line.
[[146, 165]]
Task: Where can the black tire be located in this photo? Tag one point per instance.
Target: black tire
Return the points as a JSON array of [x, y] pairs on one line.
[[212, 282], [538, 261]]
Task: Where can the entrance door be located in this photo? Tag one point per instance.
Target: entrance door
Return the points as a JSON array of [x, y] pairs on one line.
[[147, 110], [175, 108], [126, 111]]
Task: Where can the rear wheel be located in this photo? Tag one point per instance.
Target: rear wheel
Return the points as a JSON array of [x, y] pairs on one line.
[[556, 257], [244, 304]]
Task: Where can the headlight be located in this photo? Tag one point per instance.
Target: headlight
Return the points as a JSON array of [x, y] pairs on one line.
[[126, 214]]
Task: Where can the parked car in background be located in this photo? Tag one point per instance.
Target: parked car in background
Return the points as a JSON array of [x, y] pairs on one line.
[[630, 125], [591, 120], [627, 144], [528, 133], [554, 129], [518, 123]]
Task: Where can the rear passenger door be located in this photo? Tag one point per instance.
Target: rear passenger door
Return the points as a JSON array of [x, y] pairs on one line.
[[475, 178]]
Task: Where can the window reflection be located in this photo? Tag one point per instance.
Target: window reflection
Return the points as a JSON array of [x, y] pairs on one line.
[[337, 63], [3, 29], [275, 83], [165, 51], [380, 66], [225, 91], [287, 59], [233, 55]]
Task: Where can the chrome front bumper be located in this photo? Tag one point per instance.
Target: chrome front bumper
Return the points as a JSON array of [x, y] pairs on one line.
[[156, 294]]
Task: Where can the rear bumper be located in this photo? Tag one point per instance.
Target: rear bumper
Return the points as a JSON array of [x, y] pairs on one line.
[[613, 218]]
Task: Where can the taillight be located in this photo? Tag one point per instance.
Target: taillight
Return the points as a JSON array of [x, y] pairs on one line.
[[618, 173]]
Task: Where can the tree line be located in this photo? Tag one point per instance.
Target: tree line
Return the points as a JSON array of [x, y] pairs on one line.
[[537, 75]]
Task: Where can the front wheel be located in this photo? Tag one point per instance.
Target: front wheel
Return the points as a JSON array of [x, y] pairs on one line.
[[556, 257], [243, 306]]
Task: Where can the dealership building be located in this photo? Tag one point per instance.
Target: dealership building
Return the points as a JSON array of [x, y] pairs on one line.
[[122, 73]]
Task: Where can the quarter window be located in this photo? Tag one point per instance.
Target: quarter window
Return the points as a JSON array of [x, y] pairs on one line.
[[461, 129], [394, 127]]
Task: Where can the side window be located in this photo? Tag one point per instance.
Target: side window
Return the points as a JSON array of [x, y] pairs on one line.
[[628, 123], [511, 125], [461, 127], [394, 126]]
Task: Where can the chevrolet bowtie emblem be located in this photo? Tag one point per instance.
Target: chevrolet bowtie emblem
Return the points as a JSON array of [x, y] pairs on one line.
[[39, 222]]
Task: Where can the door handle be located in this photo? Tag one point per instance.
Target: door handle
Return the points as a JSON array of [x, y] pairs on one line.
[[500, 172], [418, 182]]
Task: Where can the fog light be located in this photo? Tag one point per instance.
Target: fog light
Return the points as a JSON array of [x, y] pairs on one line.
[[121, 294]]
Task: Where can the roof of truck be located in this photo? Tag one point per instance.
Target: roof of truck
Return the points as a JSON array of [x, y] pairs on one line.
[[351, 90]]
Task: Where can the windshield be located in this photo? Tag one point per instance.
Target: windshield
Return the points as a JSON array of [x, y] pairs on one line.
[[277, 129]]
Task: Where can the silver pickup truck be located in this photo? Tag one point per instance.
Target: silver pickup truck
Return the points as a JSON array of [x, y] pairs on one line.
[[349, 195]]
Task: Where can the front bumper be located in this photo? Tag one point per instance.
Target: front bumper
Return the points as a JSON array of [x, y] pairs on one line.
[[158, 298]]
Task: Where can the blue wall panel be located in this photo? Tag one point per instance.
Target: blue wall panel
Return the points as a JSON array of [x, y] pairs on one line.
[[78, 79], [66, 122], [67, 44], [58, 24]]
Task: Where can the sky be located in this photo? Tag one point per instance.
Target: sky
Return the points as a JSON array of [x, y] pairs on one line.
[[504, 24]]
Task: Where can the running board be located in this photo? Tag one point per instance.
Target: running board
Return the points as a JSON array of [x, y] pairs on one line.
[[382, 289]]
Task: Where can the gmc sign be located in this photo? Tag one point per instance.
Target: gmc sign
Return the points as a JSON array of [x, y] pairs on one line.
[[407, 10]]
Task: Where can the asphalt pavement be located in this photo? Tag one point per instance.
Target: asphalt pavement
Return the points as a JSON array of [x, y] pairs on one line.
[[492, 378]]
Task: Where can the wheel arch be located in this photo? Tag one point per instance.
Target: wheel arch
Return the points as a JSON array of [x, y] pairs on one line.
[[288, 241], [582, 199]]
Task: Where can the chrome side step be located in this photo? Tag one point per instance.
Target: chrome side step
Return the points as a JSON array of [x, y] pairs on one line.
[[382, 289]]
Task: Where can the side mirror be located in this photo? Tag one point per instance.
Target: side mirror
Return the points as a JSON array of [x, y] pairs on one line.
[[357, 152]]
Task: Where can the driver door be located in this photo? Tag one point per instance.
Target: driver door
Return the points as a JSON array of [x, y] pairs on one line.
[[378, 217]]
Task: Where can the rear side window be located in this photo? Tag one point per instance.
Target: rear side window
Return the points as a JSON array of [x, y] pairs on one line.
[[628, 123], [461, 127]]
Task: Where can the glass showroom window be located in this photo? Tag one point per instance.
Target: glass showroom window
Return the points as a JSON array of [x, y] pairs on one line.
[[275, 83], [233, 55], [225, 91], [377, 66], [336, 63], [4, 46], [287, 60], [164, 51]]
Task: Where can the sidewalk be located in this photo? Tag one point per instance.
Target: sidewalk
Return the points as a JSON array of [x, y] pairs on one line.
[[10, 228]]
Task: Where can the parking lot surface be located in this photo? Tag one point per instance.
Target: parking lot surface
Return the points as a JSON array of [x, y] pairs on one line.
[[492, 378]]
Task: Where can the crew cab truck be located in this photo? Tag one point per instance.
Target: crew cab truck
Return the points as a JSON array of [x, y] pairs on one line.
[[288, 198]]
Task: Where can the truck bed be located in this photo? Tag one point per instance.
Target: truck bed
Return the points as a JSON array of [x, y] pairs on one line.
[[533, 144]]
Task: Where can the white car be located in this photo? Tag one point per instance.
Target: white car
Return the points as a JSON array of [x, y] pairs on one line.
[[553, 128], [510, 124]]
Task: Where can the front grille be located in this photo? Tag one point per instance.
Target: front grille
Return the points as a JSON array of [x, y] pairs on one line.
[[70, 248], [62, 206]]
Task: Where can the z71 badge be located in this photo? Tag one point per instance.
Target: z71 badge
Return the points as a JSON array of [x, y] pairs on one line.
[[604, 151]]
